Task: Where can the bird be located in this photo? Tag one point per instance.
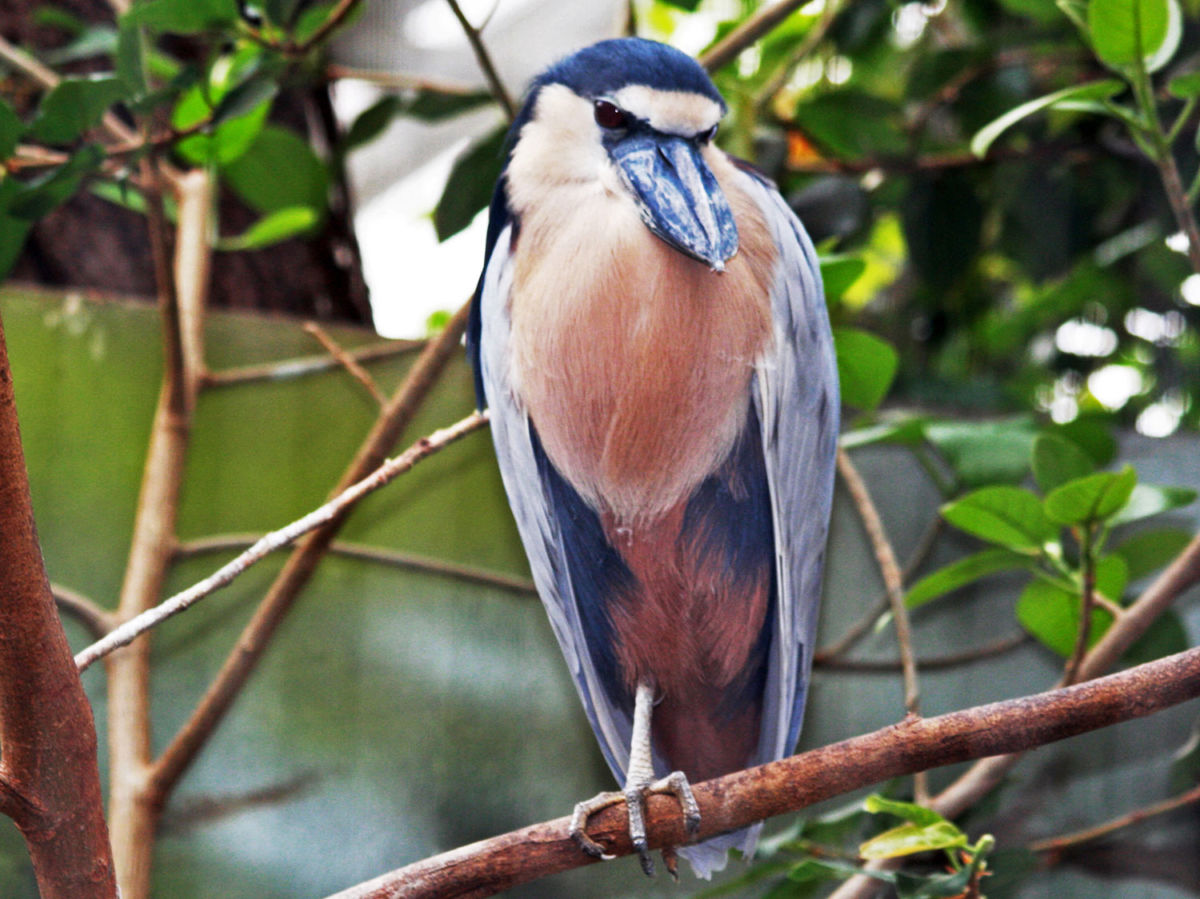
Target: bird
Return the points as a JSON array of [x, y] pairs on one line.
[[650, 339]]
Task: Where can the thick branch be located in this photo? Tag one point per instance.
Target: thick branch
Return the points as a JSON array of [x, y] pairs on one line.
[[47, 735], [740, 799]]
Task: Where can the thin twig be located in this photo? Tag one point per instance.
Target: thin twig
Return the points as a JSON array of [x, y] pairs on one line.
[[378, 555], [1089, 834], [307, 365], [864, 625], [391, 469], [893, 582], [98, 621], [744, 797], [495, 85], [759, 24], [401, 80], [332, 22], [1086, 608], [951, 660], [346, 361], [28, 65], [804, 49], [889, 569], [302, 563]]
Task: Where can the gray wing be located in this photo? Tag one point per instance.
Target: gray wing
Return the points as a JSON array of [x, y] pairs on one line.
[[796, 395], [538, 522]]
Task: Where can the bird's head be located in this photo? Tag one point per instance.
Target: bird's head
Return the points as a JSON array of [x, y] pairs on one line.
[[633, 116]]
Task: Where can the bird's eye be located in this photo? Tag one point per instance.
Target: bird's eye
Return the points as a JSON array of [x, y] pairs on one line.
[[706, 137], [610, 116]]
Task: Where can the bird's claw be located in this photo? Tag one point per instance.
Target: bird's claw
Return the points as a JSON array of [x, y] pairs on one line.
[[634, 797]]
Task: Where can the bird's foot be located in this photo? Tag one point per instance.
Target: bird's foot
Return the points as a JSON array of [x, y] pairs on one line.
[[675, 784]]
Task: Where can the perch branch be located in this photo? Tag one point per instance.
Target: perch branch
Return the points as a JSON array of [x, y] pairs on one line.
[[984, 775], [742, 798]]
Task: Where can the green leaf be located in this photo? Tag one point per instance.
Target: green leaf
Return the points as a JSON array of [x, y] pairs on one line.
[[909, 839], [11, 130], [1050, 613], [37, 198], [13, 230], [93, 41], [1151, 550], [1093, 90], [866, 367], [1123, 30], [983, 452], [1148, 500], [227, 141], [838, 273], [1186, 86], [1057, 460], [129, 56], [245, 98], [949, 885], [1091, 499], [964, 571], [279, 170], [74, 106], [183, 16], [909, 811], [1112, 574], [1008, 516], [278, 226], [814, 869], [470, 185]]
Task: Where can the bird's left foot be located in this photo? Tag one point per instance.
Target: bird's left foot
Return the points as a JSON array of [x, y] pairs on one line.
[[634, 796]]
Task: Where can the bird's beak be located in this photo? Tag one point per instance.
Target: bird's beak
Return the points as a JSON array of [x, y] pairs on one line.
[[678, 196]]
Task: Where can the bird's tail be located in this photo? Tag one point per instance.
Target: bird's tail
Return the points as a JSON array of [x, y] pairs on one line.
[[712, 855]]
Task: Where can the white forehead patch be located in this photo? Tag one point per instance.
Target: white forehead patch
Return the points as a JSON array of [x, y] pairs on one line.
[[671, 112]]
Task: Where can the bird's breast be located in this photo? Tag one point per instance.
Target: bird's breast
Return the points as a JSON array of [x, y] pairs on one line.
[[632, 360]]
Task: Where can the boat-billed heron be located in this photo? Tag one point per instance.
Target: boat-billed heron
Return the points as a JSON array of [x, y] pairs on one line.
[[651, 339]]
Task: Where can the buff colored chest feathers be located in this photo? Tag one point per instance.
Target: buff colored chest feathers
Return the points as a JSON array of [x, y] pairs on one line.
[[632, 360]]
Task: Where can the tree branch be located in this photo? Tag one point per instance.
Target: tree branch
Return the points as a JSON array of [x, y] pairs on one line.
[[98, 621], [307, 365], [742, 798], [1099, 831], [303, 561], [378, 555], [48, 770], [759, 24], [323, 515], [495, 85]]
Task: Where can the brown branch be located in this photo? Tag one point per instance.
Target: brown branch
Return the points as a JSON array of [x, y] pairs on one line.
[[1099, 831], [346, 361], [742, 798], [84, 611], [48, 769], [181, 274], [332, 22], [302, 563], [378, 555], [307, 365], [950, 660], [889, 569], [983, 776], [495, 85], [1086, 608], [755, 27]]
